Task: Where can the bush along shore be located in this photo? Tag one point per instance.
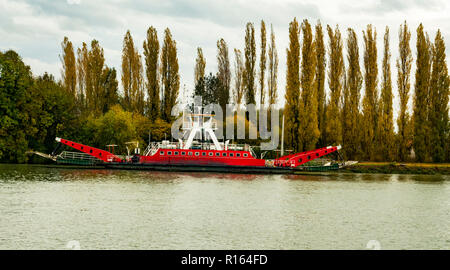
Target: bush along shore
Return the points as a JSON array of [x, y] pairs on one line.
[[398, 168]]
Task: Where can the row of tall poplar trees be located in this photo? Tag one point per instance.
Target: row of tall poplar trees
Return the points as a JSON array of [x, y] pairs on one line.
[[150, 85], [365, 127], [246, 84]]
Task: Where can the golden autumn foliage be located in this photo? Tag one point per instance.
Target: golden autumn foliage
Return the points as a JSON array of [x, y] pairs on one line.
[[249, 65], [170, 78], [404, 63], [132, 75], [321, 64], [336, 71], [200, 65], [308, 121], [151, 54], [421, 96], [69, 70], [262, 64], [272, 75], [385, 132], [351, 117], [292, 96], [438, 102], [370, 100]]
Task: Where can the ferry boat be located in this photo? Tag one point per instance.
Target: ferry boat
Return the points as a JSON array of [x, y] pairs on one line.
[[201, 151]]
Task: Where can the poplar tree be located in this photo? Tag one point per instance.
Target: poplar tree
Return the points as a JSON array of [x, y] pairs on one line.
[[151, 54], [336, 71], [386, 136], [421, 96], [239, 90], [200, 65], [69, 70], [320, 82], [82, 73], [132, 75], [272, 70], [262, 64], [439, 92], [96, 63], [308, 126], [352, 116], [370, 100], [249, 66], [110, 89], [170, 78], [404, 62], [291, 109], [224, 72]]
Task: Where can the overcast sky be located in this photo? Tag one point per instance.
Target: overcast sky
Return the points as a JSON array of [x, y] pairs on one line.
[[35, 28]]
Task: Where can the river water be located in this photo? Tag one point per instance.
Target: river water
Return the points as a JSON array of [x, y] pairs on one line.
[[55, 208]]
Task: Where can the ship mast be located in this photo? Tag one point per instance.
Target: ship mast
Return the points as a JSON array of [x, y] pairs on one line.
[[199, 123]]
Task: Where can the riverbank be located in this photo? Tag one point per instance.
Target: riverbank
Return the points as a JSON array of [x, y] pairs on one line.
[[399, 168]]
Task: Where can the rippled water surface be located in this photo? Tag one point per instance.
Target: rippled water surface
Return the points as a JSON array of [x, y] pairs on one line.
[[45, 208]]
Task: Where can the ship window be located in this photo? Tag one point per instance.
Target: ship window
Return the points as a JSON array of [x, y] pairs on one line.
[[72, 144], [161, 153], [309, 157], [183, 153], [231, 154], [217, 154], [90, 151], [224, 154], [169, 153], [245, 155], [299, 160], [197, 154], [203, 153], [317, 154], [81, 147], [100, 154], [190, 153], [176, 153], [238, 155], [211, 154]]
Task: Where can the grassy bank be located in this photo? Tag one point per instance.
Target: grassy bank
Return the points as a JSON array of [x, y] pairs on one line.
[[399, 168]]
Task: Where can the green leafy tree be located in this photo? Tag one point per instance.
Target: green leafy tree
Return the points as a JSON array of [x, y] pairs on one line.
[[16, 113], [110, 89]]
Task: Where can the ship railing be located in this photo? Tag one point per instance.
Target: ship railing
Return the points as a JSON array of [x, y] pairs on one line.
[[76, 156], [152, 148]]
